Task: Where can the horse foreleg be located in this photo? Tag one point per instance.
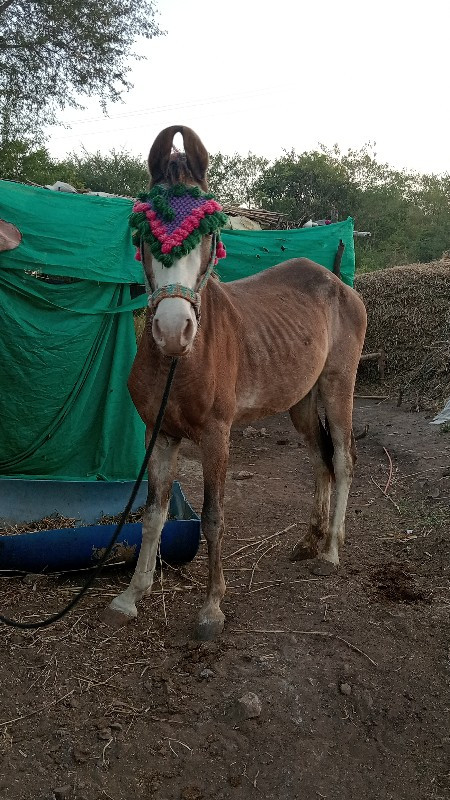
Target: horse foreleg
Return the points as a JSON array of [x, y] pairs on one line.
[[215, 450], [161, 472]]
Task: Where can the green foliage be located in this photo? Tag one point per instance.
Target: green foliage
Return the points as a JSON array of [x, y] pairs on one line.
[[408, 215], [233, 178], [118, 172], [20, 161], [53, 52], [310, 185]]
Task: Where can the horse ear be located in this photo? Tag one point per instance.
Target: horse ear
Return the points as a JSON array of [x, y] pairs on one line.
[[196, 153], [159, 156]]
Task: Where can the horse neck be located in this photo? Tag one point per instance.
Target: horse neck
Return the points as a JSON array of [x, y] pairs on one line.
[[217, 309]]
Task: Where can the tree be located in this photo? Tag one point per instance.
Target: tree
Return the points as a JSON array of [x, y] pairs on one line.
[[23, 162], [233, 178], [310, 185], [118, 172], [53, 52]]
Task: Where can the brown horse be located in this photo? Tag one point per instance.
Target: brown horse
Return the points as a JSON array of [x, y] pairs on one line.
[[278, 341]]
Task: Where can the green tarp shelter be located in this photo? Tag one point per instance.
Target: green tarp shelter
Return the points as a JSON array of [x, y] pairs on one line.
[[249, 252], [66, 348]]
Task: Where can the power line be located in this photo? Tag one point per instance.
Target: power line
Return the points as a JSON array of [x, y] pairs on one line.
[[81, 135], [164, 109]]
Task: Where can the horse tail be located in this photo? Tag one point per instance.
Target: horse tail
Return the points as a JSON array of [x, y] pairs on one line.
[[326, 445], [161, 150]]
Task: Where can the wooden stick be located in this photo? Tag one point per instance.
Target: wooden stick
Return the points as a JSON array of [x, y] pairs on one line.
[[370, 356], [338, 259], [372, 396]]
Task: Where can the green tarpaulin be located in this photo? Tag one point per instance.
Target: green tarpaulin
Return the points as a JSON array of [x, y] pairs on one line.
[[66, 349], [249, 252], [76, 235], [65, 409]]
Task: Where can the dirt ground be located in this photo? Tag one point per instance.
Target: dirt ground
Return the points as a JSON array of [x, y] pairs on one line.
[[351, 671]]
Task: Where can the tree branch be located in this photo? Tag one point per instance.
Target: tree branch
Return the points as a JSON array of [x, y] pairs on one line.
[[5, 5]]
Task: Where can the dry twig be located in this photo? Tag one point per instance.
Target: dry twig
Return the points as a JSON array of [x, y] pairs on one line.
[[390, 471], [275, 544], [388, 497], [259, 542], [324, 634], [37, 710]]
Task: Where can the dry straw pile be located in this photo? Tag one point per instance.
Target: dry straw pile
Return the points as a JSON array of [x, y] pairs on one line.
[[409, 317]]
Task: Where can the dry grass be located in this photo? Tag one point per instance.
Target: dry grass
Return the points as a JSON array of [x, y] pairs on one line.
[[139, 323], [409, 316]]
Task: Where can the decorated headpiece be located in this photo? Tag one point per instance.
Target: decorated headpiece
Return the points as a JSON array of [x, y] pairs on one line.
[[171, 220]]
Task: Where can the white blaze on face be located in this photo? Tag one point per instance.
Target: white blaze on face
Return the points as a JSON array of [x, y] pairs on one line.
[[174, 324]]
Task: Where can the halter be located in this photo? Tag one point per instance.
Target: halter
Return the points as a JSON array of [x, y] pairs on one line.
[[177, 289], [172, 221]]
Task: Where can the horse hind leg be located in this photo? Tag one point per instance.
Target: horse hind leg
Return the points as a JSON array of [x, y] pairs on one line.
[[307, 422], [337, 397]]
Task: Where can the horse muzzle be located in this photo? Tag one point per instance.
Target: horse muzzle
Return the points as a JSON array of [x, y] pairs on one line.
[[174, 326]]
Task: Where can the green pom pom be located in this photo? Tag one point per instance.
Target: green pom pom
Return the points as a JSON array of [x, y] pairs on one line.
[[177, 191]]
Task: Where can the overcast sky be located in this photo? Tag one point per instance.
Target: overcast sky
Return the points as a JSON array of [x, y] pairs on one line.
[[263, 76]]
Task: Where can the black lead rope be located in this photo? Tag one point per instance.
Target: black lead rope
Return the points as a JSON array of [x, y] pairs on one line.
[[55, 617]]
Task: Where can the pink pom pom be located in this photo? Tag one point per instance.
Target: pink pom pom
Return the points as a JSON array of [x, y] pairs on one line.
[[138, 256], [220, 250], [216, 261], [211, 206], [158, 230], [167, 246], [138, 207]]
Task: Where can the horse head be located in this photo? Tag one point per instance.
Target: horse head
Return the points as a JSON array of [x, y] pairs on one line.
[[176, 226]]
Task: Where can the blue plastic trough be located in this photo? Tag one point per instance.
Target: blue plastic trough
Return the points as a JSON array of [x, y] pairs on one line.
[[81, 547]]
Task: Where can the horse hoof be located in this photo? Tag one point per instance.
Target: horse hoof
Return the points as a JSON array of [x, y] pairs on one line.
[[321, 567], [115, 619], [208, 631], [302, 552]]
